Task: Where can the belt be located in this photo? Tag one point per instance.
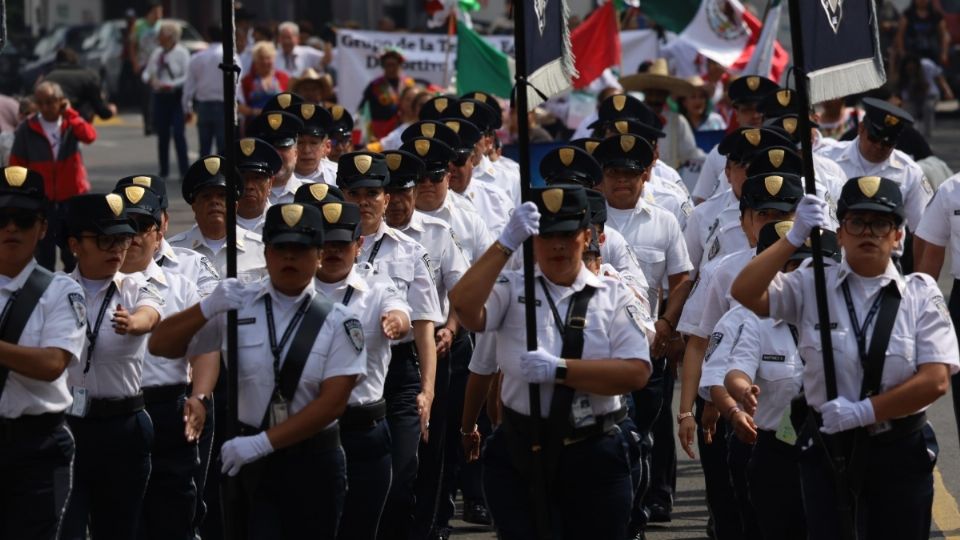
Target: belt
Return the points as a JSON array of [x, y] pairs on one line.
[[891, 430], [163, 394], [605, 423], [11, 428], [360, 417], [328, 439], [406, 350], [105, 408]]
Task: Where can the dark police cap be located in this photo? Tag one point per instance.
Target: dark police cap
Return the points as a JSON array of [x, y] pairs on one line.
[[342, 121], [771, 233], [439, 107], [491, 102], [570, 164], [100, 213], [624, 152], [152, 182], [750, 89], [257, 155], [431, 129], [207, 171], [789, 124], [341, 221], [362, 170], [434, 154], [278, 128], [21, 188], [476, 112], [741, 144], [284, 101], [317, 121], [884, 120], [589, 144], [771, 192], [293, 223], [625, 126], [140, 200], [318, 194], [873, 194], [775, 160], [467, 132], [597, 204], [779, 103], [563, 208], [405, 169], [624, 107]]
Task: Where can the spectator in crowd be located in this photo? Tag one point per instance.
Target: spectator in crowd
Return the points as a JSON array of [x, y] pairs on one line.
[[203, 93], [923, 31], [166, 74], [81, 86], [383, 94], [315, 88], [9, 119], [263, 82], [49, 142], [698, 108], [143, 41], [836, 118], [296, 59], [922, 85], [244, 39], [411, 99], [889, 19]]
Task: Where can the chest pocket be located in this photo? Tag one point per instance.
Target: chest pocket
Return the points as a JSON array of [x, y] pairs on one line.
[[252, 352], [775, 365], [653, 262], [401, 272], [900, 363]]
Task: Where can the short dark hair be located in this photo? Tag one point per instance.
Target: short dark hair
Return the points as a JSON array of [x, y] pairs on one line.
[[66, 55], [214, 33]]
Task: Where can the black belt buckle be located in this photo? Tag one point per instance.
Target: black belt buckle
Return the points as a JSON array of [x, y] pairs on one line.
[[879, 428]]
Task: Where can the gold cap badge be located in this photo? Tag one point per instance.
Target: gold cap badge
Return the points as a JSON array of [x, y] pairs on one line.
[[891, 120], [553, 199], [115, 202], [247, 146], [454, 125], [753, 83], [467, 109], [144, 181], [319, 190], [783, 97], [284, 100], [332, 212], [790, 124], [752, 136], [619, 101], [134, 193], [336, 112], [773, 184], [627, 142], [566, 156], [212, 164], [422, 147], [428, 130], [776, 157], [783, 227], [441, 104], [15, 176], [362, 163], [275, 121], [291, 214], [869, 185], [307, 110], [393, 161]]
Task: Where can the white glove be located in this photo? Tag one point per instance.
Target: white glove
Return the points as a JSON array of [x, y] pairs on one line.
[[811, 212], [538, 366], [228, 295], [239, 451], [841, 414], [524, 223]]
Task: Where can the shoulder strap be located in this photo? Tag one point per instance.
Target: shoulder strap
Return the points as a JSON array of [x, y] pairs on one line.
[[877, 355], [22, 303], [572, 348], [303, 341]]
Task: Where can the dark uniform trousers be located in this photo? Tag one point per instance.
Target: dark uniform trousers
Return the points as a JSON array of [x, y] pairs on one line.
[[721, 499], [895, 496], [663, 460], [954, 308], [646, 405], [429, 482], [109, 475], [400, 391], [209, 514], [368, 479], [738, 459], [169, 503], [591, 494], [774, 482], [36, 454]]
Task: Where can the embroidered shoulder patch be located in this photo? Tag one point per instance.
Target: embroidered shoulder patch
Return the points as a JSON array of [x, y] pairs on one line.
[[715, 339], [209, 267], [79, 308], [714, 249], [926, 185], [150, 291], [637, 316], [941, 306], [354, 332]]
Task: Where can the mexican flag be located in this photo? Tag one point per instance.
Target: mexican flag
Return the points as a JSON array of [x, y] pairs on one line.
[[764, 55], [715, 27], [481, 67], [596, 45]]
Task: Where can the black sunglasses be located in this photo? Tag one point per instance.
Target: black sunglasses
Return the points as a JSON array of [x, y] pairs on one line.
[[877, 140], [434, 177], [108, 242], [20, 220], [461, 159]]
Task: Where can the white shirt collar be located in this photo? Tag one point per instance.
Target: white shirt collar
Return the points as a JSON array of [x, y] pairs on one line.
[[17, 281], [268, 288], [889, 274], [584, 277]]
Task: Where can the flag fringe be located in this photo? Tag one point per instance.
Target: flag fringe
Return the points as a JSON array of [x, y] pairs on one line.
[[845, 79], [569, 62]]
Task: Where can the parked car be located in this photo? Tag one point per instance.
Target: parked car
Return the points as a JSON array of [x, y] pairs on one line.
[[11, 64], [102, 51], [45, 51]]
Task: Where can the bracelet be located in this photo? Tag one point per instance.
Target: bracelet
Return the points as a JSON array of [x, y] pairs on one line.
[[673, 327], [506, 251], [733, 410], [475, 428], [683, 416]]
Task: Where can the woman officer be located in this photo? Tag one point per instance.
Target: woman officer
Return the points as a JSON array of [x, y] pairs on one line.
[[603, 354], [881, 406]]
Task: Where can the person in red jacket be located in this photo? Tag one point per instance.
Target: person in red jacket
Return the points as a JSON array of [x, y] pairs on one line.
[[49, 142]]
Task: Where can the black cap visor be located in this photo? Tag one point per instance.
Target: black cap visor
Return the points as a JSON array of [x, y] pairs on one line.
[[340, 235], [561, 223], [774, 204], [880, 208], [12, 200], [628, 164], [885, 134], [361, 182], [109, 227], [294, 237]]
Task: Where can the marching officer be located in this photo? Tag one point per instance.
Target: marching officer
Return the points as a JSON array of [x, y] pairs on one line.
[[313, 145], [894, 351], [113, 432], [257, 162], [385, 317], [482, 115], [341, 139], [588, 488], [205, 190], [281, 129], [43, 335], [409, 389], [300, 356]]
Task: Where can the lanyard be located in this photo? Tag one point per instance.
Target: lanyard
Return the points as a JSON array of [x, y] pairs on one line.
[[553, 308], [92, 334], [860, 331], [375, 250], [348, 295], [277, 348]]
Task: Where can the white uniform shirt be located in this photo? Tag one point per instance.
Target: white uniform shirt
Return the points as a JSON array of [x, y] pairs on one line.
[[940, 224], [615, 251], [657, 191], [370, 301], [321, 175], [718, 300], [329, 171], [614, 329], [168, 68], [717, 217], [178, 293], [656, 240], [189, 264], [921, 334], [712, 175], [407, 263], [58, 320], [284, 195], [669, 175], [117, 360], [447, 261], [492, 204], [767, 353], [393, 140], [204, 78], [472, 233], [716, 356], [300, 59], [502, 177], [254, 225], [251, 265], [334, 353]]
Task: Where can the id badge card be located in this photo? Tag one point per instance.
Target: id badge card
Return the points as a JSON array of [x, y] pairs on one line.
[[80, 403], [279, 411], [785, 432], [582, 411]]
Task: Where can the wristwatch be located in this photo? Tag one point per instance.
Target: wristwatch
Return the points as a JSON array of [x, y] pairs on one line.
[[682, 416], [561, 374], [506, 251]]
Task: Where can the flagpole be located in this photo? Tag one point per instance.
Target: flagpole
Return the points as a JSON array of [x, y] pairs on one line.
[[451, 29], [523, 144], [833, 445]]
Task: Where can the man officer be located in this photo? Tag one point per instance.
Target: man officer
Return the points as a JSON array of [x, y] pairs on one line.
[[258, 162]]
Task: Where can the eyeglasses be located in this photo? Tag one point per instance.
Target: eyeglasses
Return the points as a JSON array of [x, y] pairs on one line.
[[879, 228], [107, 242], [877, 140], [20, 220], [434, 177]]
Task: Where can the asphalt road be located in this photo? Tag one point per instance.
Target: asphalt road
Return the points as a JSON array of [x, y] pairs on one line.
[[122, 149]]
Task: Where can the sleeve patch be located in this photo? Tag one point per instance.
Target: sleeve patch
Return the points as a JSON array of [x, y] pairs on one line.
[[150, 291], [209, 267], [714, 249], [926, 185], [715, 339], [79, 308], [637, 316], [942, 308], [355, 333]]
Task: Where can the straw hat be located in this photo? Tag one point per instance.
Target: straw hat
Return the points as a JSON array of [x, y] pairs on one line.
[[657, 78], [310, 76]]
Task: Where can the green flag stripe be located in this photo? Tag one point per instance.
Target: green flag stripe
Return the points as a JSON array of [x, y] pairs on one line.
[[480, 66], [674, 15]]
